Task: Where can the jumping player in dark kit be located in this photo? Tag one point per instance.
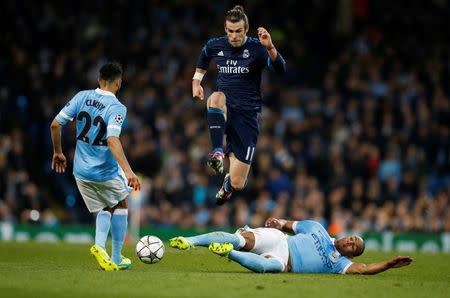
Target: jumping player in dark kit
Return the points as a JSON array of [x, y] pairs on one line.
[[234, 106]]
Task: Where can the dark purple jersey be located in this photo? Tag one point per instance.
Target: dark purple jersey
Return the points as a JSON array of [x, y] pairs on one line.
[[239, 70]]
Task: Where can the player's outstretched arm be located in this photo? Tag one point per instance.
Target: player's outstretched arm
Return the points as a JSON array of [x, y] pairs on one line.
[[197, 89], [59, 162], [115, 146], [369, 269]]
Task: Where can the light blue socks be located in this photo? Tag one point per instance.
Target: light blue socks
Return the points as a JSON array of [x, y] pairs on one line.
[[219, 237], [255, 262], [102, 225], [119, 222]]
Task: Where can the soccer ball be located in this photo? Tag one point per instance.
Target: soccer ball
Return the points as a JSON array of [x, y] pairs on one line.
[[150, 249]]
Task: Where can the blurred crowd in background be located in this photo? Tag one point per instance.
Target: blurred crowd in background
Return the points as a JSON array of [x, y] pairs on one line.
[[355, 135]]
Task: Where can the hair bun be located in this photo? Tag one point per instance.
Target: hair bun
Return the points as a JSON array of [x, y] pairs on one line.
[[238, 7]]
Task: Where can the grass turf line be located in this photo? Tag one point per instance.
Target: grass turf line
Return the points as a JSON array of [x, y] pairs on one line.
[[33, 269]]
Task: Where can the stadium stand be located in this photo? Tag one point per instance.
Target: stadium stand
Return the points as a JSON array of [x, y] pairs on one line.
[[355, 135]]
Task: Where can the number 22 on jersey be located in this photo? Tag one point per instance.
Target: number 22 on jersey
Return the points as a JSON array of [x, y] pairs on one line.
[[99, 139]]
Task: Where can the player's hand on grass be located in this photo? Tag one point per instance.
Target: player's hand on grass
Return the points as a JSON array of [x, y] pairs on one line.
[[399, 261], [197, 91], [264, 38], [59, 163], [133, 181]]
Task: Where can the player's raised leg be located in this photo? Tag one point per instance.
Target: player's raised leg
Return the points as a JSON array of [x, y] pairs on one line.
[[235, 180], [216, 121]]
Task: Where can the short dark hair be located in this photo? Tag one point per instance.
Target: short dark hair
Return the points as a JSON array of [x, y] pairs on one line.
[[237, 14], [111, 71], [363, 247]]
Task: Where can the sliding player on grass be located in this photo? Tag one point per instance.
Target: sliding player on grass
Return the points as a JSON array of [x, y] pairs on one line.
[[309, 249]]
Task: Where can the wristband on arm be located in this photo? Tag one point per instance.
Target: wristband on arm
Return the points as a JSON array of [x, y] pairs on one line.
[[198, 76]]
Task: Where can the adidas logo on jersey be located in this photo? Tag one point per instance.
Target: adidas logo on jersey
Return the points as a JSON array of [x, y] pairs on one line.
[[220, 53]]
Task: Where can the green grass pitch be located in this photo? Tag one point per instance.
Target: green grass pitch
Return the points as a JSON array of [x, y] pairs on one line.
[[67, 270]]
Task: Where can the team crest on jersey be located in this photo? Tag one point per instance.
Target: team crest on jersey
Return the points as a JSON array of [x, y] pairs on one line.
[[334, 257], [246, 54], [119, 119]]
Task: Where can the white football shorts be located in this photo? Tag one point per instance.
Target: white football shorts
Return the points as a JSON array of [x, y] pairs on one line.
[[270, 242], [99, 195]]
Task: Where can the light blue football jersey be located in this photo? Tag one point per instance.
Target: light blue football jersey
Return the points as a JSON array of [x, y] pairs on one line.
[[312, 250], [99, 115]]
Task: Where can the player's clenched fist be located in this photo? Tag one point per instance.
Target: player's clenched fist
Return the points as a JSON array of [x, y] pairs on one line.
[[264, 38]]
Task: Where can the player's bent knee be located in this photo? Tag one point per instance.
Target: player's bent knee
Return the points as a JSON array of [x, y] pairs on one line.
[[217, 100], [249, 240]]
